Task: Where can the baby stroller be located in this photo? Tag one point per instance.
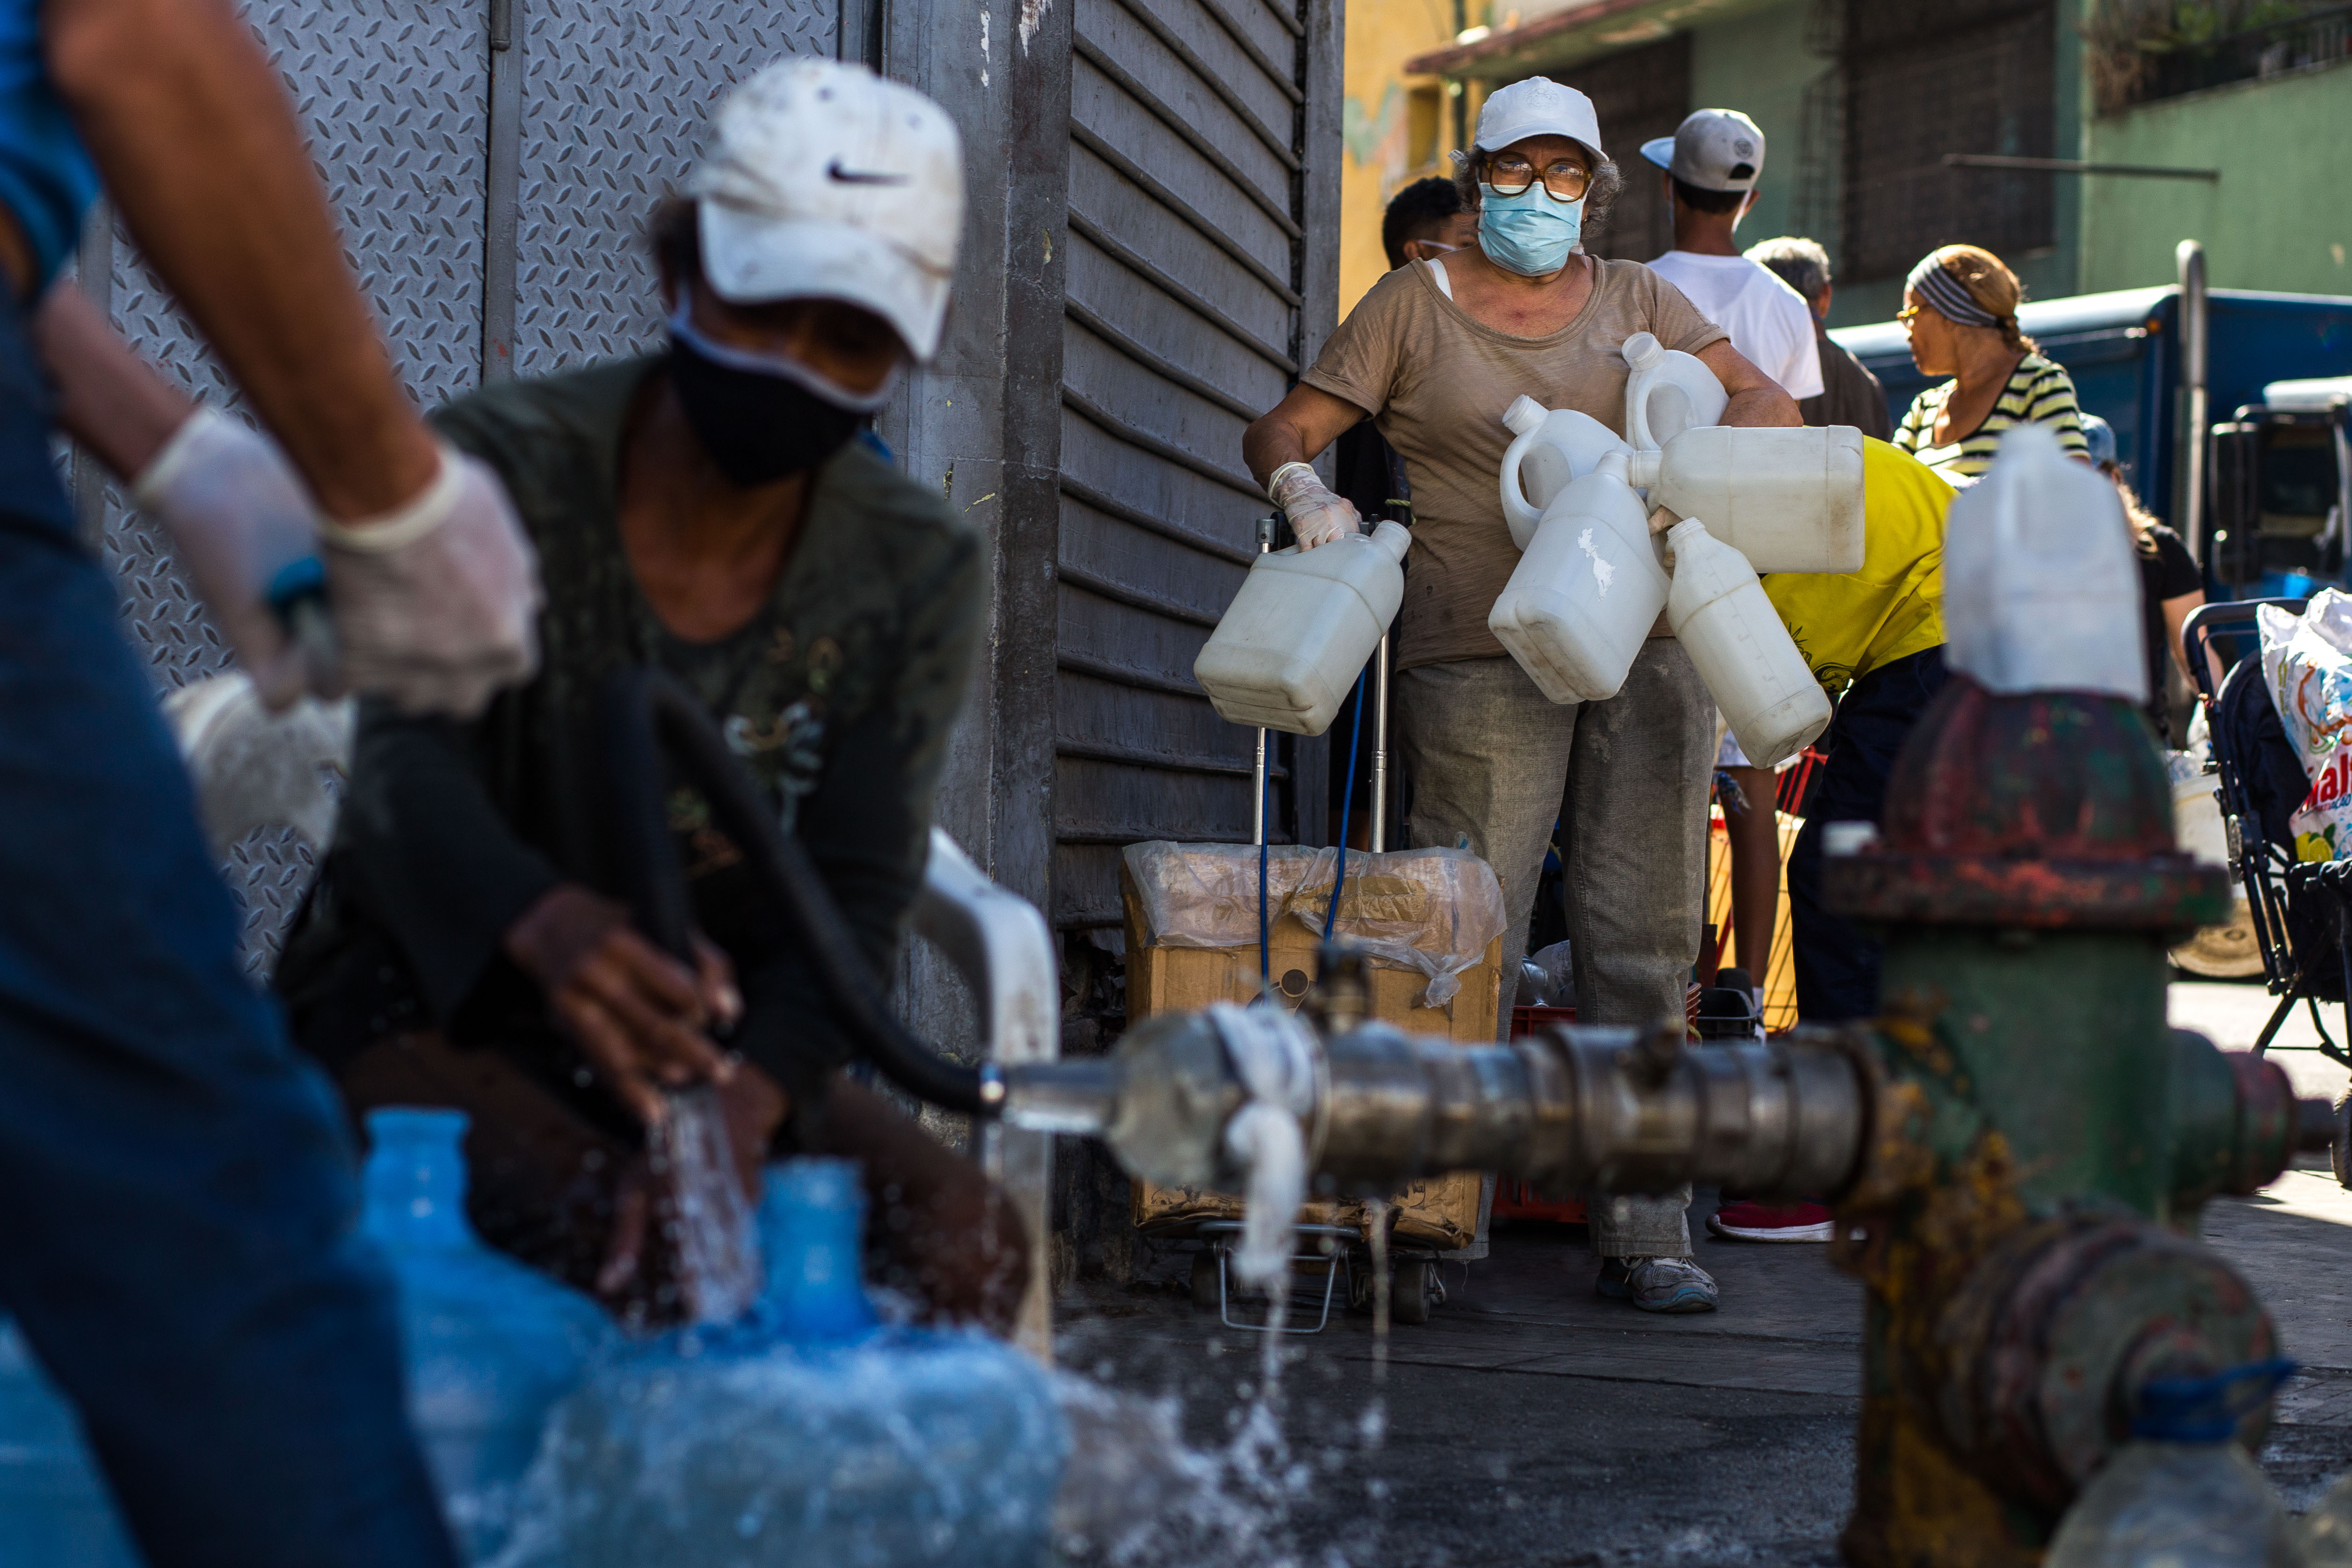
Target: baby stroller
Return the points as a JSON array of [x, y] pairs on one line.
[[2298, 908]]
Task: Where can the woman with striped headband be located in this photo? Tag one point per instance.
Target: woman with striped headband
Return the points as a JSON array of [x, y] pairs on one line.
[[1960, 306]]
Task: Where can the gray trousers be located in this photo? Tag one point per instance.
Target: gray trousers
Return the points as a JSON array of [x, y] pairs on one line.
[[1493, 765]]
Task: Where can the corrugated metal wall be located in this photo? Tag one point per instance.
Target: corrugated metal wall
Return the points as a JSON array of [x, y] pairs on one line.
[[604, 107]]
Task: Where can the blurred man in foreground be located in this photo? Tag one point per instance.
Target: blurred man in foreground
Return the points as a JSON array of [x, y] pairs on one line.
[[178, 1245]]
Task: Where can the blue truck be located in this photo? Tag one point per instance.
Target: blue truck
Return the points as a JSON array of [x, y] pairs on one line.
[[2262, 496]]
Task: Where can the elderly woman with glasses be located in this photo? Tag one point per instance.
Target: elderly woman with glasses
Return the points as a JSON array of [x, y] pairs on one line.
[[1434, 353]]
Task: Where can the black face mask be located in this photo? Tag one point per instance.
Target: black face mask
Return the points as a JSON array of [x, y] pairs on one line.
[[757, 429]]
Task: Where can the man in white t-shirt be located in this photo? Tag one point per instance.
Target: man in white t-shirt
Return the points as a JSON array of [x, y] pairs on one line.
[[1712, 164]]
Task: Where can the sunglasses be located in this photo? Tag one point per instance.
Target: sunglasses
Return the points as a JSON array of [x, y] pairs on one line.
[[1507, 175]]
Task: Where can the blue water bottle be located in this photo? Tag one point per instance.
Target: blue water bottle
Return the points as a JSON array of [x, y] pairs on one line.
[[808, 1433], [491, 1345]]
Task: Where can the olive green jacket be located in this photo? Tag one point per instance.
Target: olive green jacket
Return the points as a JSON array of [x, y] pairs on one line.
[[839, 698]]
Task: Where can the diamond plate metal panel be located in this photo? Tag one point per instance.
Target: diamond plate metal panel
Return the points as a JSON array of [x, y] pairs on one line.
[[393, 97], [614, 101]]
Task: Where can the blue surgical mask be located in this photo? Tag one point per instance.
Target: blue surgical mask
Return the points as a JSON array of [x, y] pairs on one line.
[[1530, 234]]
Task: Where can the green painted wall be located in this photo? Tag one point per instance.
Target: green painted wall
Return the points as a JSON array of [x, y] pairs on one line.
[[1757, 64], [2276, 219]]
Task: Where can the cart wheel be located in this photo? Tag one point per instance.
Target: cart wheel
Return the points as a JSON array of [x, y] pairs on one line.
[[1416, 1285], [2340, 1152], [1204, 1279]]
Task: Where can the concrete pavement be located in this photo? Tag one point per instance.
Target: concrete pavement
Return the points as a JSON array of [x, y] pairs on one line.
[[1532, 1422]]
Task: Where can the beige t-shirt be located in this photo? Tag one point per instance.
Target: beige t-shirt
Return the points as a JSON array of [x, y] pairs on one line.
[[1437, 381]]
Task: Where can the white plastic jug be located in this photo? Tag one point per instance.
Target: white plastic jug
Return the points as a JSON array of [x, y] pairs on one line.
[[1790, 500], [1744, 654], [1669, 391], [1554, 447], [2040, 587], [1586, 593], [1291, 646]]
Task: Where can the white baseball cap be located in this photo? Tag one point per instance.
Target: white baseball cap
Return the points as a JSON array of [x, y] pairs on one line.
[[1712, 149], [824, 181], [1537, 107]]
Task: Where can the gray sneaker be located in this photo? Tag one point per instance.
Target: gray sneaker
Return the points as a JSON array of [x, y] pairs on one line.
[[1657, 1284]]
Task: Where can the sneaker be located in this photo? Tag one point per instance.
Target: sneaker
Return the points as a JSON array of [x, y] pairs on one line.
[[1773, 1222], [1657, 1284]]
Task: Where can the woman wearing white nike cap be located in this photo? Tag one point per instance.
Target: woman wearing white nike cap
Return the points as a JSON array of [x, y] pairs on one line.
[[718, 510], [1434, 353]]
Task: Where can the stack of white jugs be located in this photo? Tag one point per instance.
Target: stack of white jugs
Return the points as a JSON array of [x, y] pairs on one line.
[[1592, 579], [1731, 502]]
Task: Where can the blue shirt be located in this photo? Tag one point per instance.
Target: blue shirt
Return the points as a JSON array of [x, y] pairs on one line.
[[46, 180]]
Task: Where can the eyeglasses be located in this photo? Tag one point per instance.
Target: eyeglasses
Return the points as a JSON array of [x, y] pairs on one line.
[[1904, 315], [1507, 175]]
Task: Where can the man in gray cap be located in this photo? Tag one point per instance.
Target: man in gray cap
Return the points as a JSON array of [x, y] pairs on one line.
[[1712, 164]]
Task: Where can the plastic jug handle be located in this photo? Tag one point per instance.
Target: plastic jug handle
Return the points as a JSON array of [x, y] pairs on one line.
[[1522, 517]]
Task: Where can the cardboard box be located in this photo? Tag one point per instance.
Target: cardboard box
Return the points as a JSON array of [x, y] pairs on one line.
[[1441, 1213]]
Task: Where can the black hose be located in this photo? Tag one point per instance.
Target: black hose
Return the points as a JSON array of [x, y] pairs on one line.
[[644, 707]]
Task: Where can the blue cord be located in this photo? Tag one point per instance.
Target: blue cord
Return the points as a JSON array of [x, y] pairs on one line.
[[1347, 805]]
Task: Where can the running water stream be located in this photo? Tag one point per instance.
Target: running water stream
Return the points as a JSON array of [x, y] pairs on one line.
[[709, 1224]]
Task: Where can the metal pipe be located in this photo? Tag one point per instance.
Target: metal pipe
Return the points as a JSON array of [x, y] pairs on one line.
[[1266, 526], [2189, 256], [1379, 838], [1257, 798], [1570, 1109]]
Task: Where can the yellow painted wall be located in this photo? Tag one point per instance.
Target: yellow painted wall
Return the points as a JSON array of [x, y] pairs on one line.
[[1396, 129]]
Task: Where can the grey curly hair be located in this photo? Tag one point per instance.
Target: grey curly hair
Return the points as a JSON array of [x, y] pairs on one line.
[[1600, 191]]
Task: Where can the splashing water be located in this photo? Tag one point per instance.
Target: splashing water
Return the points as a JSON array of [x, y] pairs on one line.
[[710, 1228], [1376, 1237], [728, 1448]]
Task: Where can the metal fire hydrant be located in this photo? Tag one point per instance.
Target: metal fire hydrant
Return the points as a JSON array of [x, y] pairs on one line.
[[2015, 1152], [2025, 1216]]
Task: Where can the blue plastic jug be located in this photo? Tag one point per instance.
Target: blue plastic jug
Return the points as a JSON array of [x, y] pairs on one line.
[[55, 1510], [491, 1345], [807, 1432]]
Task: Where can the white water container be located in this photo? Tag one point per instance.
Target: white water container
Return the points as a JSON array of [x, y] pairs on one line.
[[1790, 500], [1744, 654], [1291, 646], [1554, 447], [1586, 593], [2040, 587], [1669, 391]]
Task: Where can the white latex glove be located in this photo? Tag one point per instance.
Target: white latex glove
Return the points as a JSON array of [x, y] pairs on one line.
[[436, 604], [1317, 516], [241, 524]]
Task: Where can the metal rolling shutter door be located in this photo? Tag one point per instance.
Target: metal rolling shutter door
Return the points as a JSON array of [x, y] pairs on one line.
[[1183, 320]]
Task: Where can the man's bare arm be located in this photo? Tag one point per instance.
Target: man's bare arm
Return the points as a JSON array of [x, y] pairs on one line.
[[201, 153], [1756, 398], [109, 399]]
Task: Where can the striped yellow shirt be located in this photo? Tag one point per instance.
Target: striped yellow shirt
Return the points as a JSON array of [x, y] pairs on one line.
[[2040, 391]]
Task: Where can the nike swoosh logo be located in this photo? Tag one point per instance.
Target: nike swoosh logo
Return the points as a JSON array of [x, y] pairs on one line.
[[834, 171]]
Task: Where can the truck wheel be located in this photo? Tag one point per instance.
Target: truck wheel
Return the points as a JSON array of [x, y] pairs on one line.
[[2340, 1152]]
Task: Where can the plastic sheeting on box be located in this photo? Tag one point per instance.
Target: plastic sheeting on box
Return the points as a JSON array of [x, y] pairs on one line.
[[1430, 909]]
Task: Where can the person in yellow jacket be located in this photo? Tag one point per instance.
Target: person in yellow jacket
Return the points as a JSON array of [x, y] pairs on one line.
[[1874, 639]]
